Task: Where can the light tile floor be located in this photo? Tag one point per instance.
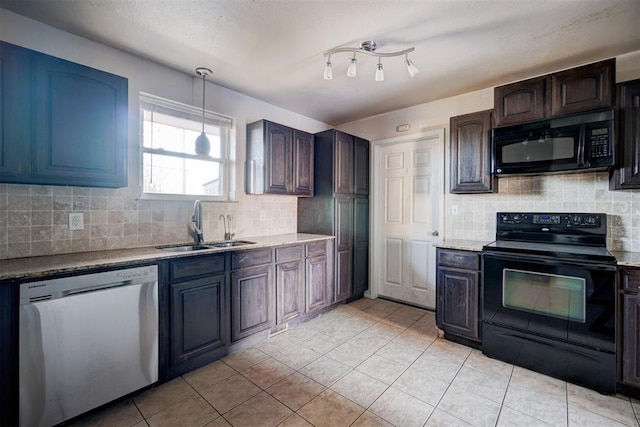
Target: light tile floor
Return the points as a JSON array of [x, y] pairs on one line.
[[368, 363]]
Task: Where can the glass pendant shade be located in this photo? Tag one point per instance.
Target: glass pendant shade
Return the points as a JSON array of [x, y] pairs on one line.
[[328, 71], [379, 73], [202, 145], [411, 67], [352, 70]]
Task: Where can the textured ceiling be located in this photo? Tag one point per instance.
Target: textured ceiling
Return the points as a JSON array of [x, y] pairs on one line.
[[273, 49]]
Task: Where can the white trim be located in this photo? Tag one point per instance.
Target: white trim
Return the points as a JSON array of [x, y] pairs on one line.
[[373, 214]]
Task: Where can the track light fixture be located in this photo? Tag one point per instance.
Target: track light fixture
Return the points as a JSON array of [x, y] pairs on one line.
[[368, 48]]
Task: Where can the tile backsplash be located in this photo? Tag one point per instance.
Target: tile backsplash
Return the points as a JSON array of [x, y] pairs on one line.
[[584, 192], [34, 219]]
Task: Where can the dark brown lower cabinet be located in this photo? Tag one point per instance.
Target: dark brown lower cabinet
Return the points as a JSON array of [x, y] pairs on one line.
[[629, 322], [8, 354], [458, 294], [319, 280], [252, 301], [361, 247], [198, 316], [290, 280]]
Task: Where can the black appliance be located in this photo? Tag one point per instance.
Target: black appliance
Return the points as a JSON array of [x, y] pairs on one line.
[[549, 296], [574, 143]]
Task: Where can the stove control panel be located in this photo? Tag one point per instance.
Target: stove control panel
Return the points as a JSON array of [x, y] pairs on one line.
[[521, 220]]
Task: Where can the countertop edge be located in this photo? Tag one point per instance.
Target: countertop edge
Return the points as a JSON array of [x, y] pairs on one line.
[[37, 267], [461, 244]]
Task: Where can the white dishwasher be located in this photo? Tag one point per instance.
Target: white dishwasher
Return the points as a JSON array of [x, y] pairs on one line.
[[84, 341]]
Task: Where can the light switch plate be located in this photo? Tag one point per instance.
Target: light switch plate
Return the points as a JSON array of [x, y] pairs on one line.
[[76, 221], [454, 209], [263, 216]]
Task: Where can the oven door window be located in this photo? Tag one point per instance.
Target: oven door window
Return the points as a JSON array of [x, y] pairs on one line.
[[552, 295]]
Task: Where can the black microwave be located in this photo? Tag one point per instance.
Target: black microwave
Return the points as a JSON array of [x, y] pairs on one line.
[[575, 143]]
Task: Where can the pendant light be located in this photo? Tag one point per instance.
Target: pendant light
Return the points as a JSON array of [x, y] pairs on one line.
[[379, 72], [202, 142]]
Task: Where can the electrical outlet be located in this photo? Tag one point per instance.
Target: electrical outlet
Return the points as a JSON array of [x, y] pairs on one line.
[[454, 209], [263, 216], [76, 221]]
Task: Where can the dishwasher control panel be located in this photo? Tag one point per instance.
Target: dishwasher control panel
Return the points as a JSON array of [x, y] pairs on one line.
[[43, 290]]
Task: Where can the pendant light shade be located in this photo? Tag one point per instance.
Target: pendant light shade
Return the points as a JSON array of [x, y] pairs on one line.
[[379, 72], [411, 67], [203, 146], [352, 70], [328, 70]]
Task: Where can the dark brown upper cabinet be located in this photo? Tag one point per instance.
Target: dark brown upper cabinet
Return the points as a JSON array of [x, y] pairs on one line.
[[61, 123], [585, 88], [626, 175], [361, 162], [471, 154], [343, 164], [520, 102], [279, 160]]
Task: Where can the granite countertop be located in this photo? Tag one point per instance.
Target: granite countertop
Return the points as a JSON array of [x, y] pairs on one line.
[[464, 245], [627, 259], [34, 267]]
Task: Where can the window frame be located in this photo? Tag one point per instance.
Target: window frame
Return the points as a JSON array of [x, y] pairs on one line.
[[184, 111]]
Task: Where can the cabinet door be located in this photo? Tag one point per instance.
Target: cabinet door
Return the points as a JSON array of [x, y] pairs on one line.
[[520, 102], [626, 174], [278, 159], [471, 154], [198, 314], [343, 164], [344, 248], [361, 154], [583, 88], [302, 163], [631, 340], [361, 247], [289, 290], [317, 293], [9, 354], [80, 124], [252, 301], [15, 114], [457, 302]]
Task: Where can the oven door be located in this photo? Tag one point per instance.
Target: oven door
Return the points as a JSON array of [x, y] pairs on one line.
[[562, 300]]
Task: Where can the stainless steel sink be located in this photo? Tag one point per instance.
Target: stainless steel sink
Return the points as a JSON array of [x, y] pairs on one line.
[[183, 248], [209, 245], [231, 243]]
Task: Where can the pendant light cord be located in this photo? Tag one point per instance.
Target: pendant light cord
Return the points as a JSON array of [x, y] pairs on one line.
[[203, 88]]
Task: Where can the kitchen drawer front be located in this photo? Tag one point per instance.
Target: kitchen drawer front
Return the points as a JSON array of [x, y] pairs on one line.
[[315, 249], [466, 260], [630, 279], [196, 266], [289, 253], [244, 259]]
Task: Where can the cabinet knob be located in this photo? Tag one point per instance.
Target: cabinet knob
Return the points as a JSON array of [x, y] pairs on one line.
[[435, 233]]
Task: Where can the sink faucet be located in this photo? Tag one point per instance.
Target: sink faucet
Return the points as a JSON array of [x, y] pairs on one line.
[[228, 235], [196, 220]]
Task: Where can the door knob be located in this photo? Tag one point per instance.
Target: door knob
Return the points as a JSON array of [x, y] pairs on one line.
[[435, 233]]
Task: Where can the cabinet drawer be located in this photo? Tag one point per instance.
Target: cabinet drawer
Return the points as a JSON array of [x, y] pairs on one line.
[[196, 266], [466, 260], [630, 279], [244, 259], [289, 253], [315, 249]]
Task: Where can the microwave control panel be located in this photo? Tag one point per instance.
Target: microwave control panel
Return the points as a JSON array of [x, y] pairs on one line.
[[599, 142]]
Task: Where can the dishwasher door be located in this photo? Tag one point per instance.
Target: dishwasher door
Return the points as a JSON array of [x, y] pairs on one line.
[[85, 347]]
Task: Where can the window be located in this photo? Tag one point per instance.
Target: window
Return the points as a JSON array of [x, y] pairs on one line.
[[170, 166]]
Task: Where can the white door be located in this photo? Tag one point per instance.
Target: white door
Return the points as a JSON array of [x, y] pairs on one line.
[[408, 193]]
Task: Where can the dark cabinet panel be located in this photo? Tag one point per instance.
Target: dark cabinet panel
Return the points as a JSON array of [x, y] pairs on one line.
[[583, 88], [317, 292], [289, 290], [198, 316], [344, 223], [252, 301], [361, 246], [520, 102], [458, 294], [471, 154], [343, 163], [302, 163], [279, 160], [629, 325], [70, 121], [361, 164], [8, 354], [626, 174], [344, 264]]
